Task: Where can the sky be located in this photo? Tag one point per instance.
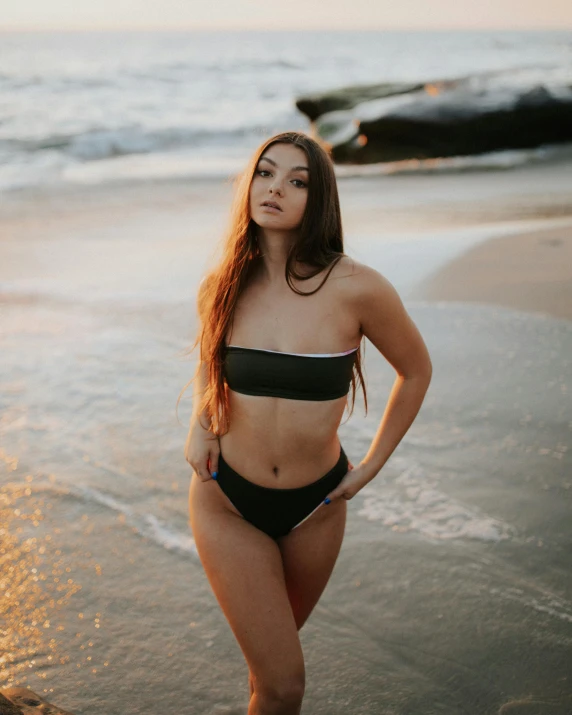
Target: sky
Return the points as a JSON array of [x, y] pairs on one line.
[[287, 14]]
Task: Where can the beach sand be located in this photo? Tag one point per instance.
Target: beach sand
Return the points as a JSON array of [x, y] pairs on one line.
[[530, 271], [451, 593], [492, 236]]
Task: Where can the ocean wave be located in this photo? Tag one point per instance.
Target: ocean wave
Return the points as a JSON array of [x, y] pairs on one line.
[[548, 603], [175, 71], [147, 525], [414, 503], [170, 73], [146, 99], [102, 143], [54, 83]]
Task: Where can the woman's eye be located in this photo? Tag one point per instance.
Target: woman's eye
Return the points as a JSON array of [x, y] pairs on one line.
[[298, 183]]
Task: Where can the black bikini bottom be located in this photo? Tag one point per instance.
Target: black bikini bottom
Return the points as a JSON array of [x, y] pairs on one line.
[[278, 511]]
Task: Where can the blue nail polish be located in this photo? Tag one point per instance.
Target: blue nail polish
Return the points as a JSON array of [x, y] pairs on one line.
[[214, 475], [327, 500]]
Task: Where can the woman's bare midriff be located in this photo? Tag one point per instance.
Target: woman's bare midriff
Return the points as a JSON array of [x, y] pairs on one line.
[[273, 441], [281, 443]]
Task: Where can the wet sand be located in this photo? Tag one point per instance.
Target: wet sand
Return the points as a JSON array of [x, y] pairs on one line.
[[531, 271]]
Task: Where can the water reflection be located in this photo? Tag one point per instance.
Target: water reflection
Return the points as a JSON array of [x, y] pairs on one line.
[[35, 582]]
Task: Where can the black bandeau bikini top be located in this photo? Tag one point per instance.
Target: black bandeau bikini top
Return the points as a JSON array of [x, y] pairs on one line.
[[296, 376]]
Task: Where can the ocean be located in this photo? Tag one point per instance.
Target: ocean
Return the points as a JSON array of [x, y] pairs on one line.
[[453, 590], [105, 107]]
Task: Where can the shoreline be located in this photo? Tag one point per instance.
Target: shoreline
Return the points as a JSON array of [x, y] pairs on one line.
[[541, 189], [501, 237], [529, 271]]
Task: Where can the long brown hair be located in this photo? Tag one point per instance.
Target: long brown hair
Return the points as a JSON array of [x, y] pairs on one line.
[[319, 245]]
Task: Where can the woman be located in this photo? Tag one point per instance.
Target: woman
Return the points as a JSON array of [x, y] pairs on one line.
[[282, 320]]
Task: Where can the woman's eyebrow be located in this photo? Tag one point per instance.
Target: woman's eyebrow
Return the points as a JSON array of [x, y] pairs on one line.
[[294, 168]]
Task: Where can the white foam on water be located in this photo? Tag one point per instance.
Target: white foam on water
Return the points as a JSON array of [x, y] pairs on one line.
[[169, 539], [146, 525], [414, 503], [545, 603]]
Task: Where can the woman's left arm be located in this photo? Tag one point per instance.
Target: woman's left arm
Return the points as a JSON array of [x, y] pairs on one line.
[[385, 322]]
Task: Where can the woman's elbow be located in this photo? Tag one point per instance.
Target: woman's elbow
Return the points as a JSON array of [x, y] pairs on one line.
[[421, 372]]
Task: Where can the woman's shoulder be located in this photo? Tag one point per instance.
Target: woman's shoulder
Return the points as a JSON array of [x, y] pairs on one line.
[[359, 278], [369, 294]]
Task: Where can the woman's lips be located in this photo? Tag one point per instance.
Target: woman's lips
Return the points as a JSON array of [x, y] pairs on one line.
[[273, 209]]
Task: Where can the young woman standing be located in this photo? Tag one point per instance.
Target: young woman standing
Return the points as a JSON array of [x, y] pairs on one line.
[[283, 317]]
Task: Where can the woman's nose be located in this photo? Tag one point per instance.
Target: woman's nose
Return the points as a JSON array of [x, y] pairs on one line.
[[276, 187]]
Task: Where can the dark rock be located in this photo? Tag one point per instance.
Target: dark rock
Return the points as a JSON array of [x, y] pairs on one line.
[[461, 117], [7, 707], [347, 97], [23, 701]]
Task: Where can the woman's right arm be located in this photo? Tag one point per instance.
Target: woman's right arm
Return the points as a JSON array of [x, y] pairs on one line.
[[202, 446]]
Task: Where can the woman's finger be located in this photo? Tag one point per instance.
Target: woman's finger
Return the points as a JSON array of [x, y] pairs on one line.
[[213, 463], [337, 492]]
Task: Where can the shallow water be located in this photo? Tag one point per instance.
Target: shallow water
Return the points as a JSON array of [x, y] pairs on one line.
[[452, 591]]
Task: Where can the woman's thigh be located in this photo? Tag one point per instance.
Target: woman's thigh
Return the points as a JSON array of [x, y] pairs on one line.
[[309, 554], [245, 570]]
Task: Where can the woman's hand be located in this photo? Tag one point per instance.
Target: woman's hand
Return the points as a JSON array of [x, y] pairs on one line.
[[350, 485], [202, 450]]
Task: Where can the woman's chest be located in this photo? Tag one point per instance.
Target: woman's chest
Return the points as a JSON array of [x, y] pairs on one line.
[[286, 321]]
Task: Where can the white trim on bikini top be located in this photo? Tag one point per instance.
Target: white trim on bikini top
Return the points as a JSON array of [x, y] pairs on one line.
[[280, 352]]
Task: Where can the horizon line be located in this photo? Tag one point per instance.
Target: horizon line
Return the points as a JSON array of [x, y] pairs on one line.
[[210, 28]]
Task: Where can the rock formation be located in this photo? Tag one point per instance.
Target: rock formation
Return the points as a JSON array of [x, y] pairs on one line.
[[22, 701], [459, 117]]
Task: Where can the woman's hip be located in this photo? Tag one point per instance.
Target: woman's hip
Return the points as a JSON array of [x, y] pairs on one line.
[[278, 510]]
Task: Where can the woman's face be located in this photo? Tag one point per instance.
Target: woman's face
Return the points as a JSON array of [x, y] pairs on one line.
[[281, 178]]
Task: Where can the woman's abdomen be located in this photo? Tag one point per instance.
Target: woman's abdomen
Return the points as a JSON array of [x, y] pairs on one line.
[[282, 443]]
